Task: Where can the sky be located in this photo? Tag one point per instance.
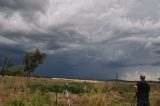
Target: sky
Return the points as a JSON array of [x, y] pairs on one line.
[[88, 39]]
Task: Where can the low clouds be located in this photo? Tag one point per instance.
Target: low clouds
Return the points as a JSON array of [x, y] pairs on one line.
[[151, 73], [4, 40], [26, 8], [107, 34]]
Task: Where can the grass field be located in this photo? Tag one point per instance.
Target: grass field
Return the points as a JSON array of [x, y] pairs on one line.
[[18, 91]]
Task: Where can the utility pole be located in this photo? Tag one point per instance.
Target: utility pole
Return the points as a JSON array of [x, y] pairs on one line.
[[117, 76]]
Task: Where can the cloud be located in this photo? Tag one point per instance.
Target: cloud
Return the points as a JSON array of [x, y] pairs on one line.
[[4, 40], [112, 34], [25, 7], [134, 74]]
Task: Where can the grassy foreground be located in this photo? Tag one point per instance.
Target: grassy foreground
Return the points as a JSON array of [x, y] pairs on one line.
[[18, 91]]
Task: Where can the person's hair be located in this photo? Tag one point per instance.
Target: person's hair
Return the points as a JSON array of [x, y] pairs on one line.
[[142, 77]]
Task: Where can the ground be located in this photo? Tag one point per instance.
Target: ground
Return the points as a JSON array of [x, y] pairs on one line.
[[20, 91]]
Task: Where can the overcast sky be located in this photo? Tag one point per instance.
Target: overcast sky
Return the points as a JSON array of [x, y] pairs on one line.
[[85, 38]]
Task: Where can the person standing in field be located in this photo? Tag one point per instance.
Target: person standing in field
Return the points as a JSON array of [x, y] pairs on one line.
[[142, 92]]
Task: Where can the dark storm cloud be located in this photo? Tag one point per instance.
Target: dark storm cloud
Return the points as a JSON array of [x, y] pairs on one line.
[[10, 51], [98, 37], [25, 7]]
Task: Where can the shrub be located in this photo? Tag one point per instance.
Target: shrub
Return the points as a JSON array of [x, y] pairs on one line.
[[73, 88], [15, 71]]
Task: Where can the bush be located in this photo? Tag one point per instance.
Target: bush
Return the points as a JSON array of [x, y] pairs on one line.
[[40, 87], [74, 88], [124, 89], [15, 71]]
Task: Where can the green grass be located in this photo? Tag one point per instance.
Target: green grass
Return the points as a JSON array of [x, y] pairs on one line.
[[18, 91], [75, 88]]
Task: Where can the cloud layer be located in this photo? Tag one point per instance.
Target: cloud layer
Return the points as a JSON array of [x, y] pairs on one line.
[[99, 37]]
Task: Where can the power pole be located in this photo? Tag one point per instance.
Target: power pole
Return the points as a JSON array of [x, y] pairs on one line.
[[117, 76]]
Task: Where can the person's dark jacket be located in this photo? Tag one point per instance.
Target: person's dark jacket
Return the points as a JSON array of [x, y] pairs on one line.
[[143, 89]]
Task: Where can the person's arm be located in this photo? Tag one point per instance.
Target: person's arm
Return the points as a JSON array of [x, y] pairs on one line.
[[137, 87], [148, 86]]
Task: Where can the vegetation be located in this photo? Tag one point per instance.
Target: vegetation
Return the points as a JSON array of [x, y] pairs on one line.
[[32, 60], [14, 91], [5, 63], [15, 71], [18, 91]]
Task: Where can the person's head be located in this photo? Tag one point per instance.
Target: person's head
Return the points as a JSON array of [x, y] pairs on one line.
[[142, 77]]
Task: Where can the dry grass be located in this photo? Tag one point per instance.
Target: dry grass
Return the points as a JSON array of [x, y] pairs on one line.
[[15, 92]]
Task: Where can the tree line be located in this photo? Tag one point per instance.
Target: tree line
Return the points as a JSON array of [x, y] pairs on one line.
[[31, 60]]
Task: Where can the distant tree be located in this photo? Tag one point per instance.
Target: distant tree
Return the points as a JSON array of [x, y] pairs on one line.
[[5, 63], [159, 79], [32, 60]]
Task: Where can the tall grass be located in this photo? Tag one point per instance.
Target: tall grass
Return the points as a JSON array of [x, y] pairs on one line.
[[18, 91]]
